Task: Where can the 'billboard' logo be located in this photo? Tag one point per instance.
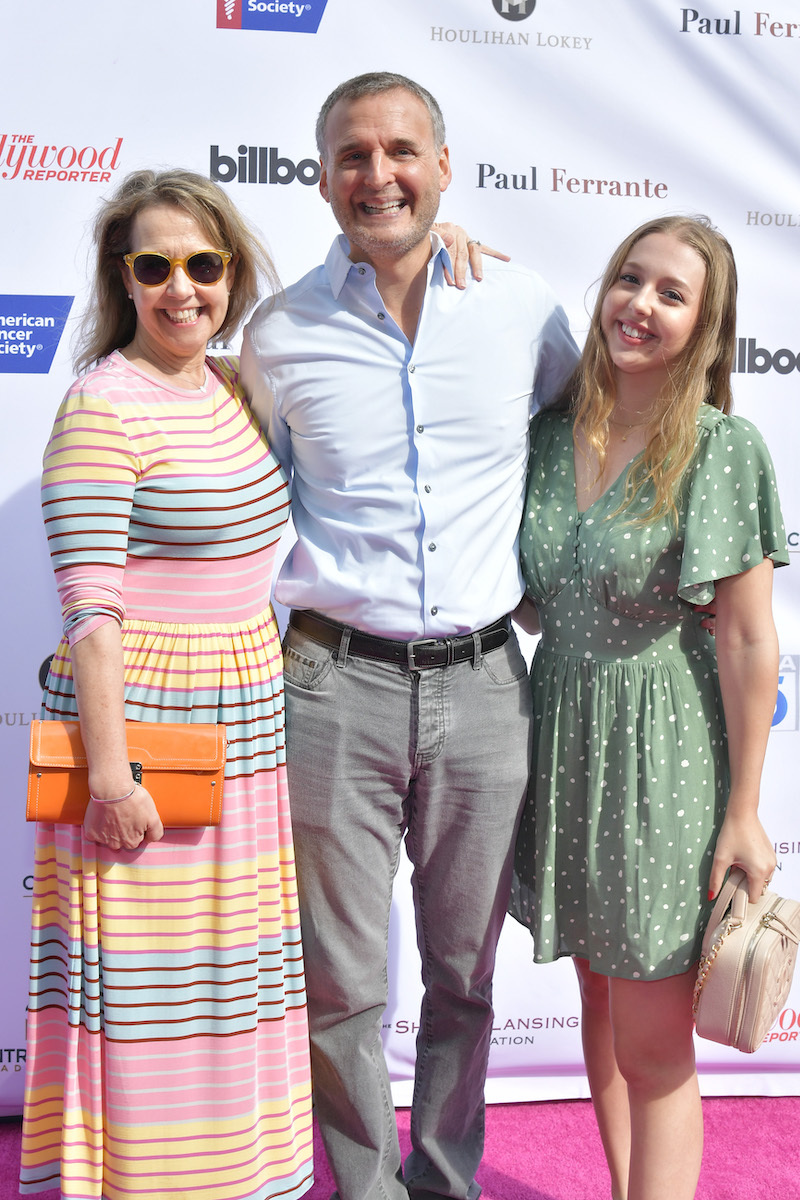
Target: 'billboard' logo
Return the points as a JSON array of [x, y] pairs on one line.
[[756, 360], [279, 16], [30, 330], [262, 164]]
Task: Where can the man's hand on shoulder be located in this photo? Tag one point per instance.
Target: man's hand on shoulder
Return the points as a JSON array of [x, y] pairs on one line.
[[465, 252]]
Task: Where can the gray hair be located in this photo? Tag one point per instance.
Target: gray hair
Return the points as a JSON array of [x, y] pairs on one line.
[[372, 84]]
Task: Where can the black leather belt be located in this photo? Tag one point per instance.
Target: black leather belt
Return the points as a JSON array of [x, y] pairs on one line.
[[417, 655]]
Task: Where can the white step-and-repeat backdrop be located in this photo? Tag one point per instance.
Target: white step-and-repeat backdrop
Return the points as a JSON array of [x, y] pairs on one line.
[[569, 122]]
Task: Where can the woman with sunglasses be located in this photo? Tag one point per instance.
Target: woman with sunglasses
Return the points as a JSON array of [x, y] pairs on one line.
[[167, 1027], [168, 1043]]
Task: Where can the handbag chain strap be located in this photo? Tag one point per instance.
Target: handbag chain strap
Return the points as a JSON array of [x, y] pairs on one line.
[[767, 920], [707, 961]]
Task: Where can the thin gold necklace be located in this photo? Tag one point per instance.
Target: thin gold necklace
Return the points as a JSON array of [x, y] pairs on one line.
[[629, 427]]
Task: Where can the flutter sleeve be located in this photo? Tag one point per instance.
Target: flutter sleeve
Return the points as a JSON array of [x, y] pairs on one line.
[[88, 480], [733, 513]]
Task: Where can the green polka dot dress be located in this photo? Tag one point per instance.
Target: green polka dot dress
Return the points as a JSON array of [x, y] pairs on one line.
[[630, 776]]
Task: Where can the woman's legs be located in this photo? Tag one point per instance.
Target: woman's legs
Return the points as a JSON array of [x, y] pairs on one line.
[[609, 1089], [652, 1031], [639, 1053]]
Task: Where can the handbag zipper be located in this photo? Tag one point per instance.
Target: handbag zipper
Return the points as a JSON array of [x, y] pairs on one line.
[[764, 923]]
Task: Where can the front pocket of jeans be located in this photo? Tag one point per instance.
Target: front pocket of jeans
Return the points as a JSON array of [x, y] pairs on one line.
[[303, 671], [505, 665]]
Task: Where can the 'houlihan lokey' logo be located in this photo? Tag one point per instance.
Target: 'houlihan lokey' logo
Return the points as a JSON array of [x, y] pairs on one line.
[[278, 16], [30, 330], [514, 10]]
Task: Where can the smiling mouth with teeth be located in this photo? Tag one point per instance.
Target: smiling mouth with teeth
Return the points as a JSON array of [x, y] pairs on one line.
[[640, 334], [183, 315], [388, 207]]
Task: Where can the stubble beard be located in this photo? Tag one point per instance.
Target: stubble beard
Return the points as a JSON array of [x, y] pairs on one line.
[[372, 243]]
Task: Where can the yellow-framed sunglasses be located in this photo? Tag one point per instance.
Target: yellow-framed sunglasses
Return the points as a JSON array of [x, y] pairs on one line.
[[203, 267]]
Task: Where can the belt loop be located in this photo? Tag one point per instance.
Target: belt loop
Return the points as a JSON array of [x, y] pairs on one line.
[[343, 648], [477, 657]]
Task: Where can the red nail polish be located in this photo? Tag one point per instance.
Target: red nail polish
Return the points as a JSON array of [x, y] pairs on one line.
[[710, 894]]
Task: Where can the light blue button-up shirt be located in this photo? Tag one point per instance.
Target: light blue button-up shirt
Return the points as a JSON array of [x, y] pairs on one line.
[[408, 460]]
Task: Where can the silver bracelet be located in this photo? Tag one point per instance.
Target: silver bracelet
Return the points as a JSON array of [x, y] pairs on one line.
[[113, 799]]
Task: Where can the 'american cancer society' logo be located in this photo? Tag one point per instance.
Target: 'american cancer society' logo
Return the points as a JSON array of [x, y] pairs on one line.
[[30, 330], [280, 16], [786, 716]]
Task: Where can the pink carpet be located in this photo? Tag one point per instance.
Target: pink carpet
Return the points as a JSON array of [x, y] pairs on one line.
[[551, 1151]]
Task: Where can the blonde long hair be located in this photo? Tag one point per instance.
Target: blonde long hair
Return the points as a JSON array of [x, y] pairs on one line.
[[109, 321], [701, 375]]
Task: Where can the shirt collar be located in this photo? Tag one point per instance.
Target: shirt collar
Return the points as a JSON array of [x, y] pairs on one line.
[[339, 266]]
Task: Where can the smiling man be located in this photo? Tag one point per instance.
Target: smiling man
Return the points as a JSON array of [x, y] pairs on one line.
[[383, 171], [401, 406]]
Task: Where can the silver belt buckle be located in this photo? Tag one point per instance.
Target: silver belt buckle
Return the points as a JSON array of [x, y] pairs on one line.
[[411, 648]]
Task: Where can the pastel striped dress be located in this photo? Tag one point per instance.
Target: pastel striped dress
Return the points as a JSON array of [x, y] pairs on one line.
[[167, 1023]]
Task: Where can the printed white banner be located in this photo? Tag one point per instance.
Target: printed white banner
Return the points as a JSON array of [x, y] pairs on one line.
[[569, 122]]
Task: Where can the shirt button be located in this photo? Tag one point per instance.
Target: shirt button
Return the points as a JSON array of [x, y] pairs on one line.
[[381, 316], [420, 429], [431, 545], [434, 610], [362, 271], [411, 368], [427, 487]]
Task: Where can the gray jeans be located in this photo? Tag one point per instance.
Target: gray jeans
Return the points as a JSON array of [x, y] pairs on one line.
[[375, 750]]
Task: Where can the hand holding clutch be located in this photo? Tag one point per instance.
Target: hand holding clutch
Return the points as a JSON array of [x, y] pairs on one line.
[[181, 766]]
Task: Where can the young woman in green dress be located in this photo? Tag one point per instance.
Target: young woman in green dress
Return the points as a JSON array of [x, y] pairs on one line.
[[646, 502]]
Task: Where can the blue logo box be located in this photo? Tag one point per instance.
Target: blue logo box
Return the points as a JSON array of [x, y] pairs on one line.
[[30, 330]]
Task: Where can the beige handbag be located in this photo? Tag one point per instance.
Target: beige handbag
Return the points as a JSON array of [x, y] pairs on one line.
[[746, 969]]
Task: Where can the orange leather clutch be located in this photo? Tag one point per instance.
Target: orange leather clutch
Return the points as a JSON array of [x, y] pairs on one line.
[[181, 766]]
